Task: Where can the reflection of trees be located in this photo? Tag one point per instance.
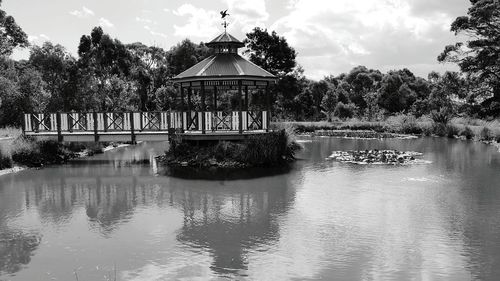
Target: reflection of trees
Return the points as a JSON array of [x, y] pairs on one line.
[[16, 249]]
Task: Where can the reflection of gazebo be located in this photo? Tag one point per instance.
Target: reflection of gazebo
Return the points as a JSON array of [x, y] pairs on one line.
[[225, 73]]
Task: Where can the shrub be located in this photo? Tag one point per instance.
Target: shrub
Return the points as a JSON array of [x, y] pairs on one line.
[[486, 134], [32, 153], [439, 129], [443, 116], [451, 131], [345, 110], [467, 133], [5, 160], [408, 125]]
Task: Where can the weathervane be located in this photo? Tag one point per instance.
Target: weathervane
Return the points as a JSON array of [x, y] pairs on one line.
[[224, 14]]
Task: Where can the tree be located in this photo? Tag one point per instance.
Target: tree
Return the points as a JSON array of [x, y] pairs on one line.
[[57, 68], [150, 71], [186, 54], [329, 103], [480, 56], [11, 35], [270, 51], [104, 58]]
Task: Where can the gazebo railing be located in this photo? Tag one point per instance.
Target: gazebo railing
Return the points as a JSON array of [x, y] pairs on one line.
[[157, 121]]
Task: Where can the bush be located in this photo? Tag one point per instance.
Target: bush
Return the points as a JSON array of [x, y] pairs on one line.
[[32, 153], [443, 116], [408, 125], [439, 129], [451, 131], [5, 160], [345, 110], [467, 133], [486, 134], [258, 150]]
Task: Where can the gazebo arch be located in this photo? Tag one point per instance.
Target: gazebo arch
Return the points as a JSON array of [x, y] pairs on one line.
[[227, 71]]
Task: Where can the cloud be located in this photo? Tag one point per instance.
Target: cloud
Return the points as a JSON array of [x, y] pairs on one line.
[[83, 13], [144, 20], [35, 39], [246, 14], [105, 22], [334, 36], [200, 22]]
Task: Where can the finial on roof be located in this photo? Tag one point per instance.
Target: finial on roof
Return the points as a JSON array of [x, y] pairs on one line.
[[224, 14]]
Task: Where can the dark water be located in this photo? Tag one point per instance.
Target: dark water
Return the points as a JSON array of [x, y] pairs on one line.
[[113, 215]]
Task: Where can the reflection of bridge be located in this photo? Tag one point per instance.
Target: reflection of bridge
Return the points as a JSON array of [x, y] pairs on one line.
[[146, 126]]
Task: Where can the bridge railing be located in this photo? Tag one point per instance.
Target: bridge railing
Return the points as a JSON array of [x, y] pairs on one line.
[[160, 121]]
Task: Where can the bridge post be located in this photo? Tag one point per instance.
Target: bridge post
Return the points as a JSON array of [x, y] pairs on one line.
[[240, 115], [58, 125], [268, 105], [96, 124], [203, 108], [132, 129]]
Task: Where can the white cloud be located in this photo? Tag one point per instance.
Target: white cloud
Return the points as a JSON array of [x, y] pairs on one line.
[[200, 22], [35, 39], [105, 22], [83, 13], [145, 20], [332, 36], [247, 14], [159, 34]]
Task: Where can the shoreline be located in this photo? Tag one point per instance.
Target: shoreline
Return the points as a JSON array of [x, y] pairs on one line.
[[86, 153]]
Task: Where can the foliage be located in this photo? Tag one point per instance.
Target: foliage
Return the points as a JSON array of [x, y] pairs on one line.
[[32, 153], [270, 51], [184, 55], [5, 159], [11, 35], [443, 116], [467, 133], [259, 150], [478, 57], [344, 111]]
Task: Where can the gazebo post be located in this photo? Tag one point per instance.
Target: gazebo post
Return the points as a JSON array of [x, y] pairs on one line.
[[182, 108], [268, 103], [246, 98], [215, 99], [203, 107], [240, 115], [189, 99]]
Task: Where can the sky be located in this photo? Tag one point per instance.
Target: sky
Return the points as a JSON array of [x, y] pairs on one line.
[[330, 36]]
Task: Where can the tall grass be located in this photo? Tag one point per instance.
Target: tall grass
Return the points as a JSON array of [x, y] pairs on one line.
[[10, 132]]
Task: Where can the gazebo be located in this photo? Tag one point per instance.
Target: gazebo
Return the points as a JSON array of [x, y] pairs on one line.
[[224, 96]]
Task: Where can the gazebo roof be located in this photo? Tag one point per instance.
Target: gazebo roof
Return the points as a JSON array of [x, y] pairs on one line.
[[225, 64]]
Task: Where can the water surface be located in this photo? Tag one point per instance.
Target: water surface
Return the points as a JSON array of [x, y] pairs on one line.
[[117, 215]]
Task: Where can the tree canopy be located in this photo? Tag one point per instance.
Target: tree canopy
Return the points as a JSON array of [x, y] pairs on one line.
[[479, 57], [11, 35], [270, 51]]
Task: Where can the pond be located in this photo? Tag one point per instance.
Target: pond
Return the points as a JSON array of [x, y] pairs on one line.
[[120, 215]]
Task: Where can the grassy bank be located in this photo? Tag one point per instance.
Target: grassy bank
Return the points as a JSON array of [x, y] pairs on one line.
[[19, 150], [270, 149], [480, 130]]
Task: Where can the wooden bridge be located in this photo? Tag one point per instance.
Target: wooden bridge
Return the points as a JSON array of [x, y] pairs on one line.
[[146, 126]]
